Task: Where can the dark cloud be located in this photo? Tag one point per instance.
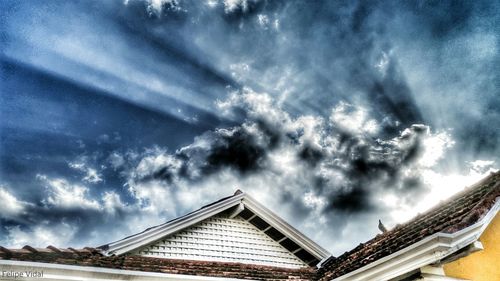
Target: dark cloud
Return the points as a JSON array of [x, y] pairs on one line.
[[354, 199], [311, 155], [238, 150], [368, 165]]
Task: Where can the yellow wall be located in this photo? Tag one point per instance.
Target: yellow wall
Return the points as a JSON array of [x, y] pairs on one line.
[[483, 265]]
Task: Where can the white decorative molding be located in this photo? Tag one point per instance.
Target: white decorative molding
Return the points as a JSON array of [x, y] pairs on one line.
[[223, 239]]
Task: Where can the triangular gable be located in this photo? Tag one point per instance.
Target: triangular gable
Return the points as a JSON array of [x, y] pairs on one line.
[[239, 208], [224, 239]]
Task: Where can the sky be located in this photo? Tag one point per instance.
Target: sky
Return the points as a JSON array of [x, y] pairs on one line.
[[119, 115]]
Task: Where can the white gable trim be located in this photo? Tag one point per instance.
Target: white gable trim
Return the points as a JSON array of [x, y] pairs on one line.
[[240, 200], [425, 252], [285, 228], [74, 272], [149, 236]]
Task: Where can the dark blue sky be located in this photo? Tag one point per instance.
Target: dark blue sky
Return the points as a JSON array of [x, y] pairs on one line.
[[121, 115]]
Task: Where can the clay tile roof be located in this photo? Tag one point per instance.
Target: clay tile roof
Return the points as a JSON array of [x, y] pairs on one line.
[[53, 249], [4, 250], [456, 213], [29, 248], [93, 257]]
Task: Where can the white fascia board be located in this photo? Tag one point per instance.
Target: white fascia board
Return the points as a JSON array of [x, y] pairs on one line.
[[285, 228], [74, 272], [133, 242], [422, 253]]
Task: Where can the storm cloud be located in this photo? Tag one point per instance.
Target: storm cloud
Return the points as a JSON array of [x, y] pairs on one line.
[[345, 145]]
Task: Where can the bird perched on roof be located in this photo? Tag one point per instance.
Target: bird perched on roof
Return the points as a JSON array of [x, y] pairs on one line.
[[381, 226]]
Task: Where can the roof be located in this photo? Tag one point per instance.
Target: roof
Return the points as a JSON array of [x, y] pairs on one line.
[[240, 204], [456, 219], [455, 214], [93, 257]]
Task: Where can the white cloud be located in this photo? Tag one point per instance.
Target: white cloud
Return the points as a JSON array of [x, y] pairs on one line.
[[113, 203], [482, 166], [64, 194], [276, 24], [154, 160], [353, 119], [267, 22], [91, 175], [256, 105], [232, 5], [41, 235], [263, 20], [155, 7], [383, 64], [10, 206], [239, 71], [435, 147], [116, 160], [211, 3], [154, 197]]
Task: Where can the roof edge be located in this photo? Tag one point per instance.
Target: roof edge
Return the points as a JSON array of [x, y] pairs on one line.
[[429, 250], [150, 235]]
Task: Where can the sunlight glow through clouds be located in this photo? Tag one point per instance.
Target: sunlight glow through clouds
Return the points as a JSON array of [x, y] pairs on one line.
[[442, 186]]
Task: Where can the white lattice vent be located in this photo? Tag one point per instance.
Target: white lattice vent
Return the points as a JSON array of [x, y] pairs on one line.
[[226, 240]]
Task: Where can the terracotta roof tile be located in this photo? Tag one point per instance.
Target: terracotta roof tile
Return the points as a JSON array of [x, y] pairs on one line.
[[93, 257], [456, 213]]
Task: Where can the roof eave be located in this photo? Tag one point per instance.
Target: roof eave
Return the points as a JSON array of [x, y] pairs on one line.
[[427, 251]]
